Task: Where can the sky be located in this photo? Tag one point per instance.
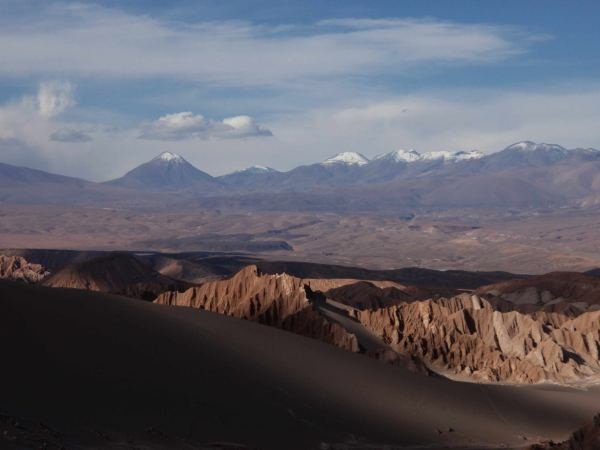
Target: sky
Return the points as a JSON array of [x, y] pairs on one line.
[[92, 89]]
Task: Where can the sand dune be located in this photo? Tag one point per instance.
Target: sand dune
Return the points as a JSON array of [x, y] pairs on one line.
[[83, 360], [585, 438]]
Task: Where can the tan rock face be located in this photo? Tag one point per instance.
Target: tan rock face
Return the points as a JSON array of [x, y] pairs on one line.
[[18, 268], [276, 300], [467, 336]]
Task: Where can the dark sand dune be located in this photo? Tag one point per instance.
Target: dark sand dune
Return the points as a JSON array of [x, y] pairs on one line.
[[585, 438], [81, 360]]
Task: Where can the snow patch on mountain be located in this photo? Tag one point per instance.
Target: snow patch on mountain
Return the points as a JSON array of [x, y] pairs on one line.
[[466, 155], [400, 155], [528, 146], [256, 169], [452, 156], [442, 154], [347, 158], [169, 156], [410, 156]]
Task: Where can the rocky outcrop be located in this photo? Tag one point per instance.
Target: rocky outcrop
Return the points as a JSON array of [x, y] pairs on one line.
[[279, 300], [115, 273], [18, 268], [467, 336]]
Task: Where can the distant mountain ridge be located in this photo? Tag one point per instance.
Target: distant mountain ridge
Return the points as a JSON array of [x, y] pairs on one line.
[[17, 175], [524, 174]]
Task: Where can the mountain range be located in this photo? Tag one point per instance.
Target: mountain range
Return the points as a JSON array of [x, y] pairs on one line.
[[524, 174]]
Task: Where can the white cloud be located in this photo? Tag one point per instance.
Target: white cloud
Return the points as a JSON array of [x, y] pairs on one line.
[[186, 125], [55, 97], [85, 40], [244, 126]]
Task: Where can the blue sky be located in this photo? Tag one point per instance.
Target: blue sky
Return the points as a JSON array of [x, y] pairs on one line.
[[93, 88]]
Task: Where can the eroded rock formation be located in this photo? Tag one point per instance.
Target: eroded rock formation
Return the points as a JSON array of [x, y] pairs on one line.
[[18, 268], [485, 338], [278, 300], [467, 336]]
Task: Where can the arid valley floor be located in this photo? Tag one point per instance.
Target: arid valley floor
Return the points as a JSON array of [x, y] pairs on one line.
[[533, 240]]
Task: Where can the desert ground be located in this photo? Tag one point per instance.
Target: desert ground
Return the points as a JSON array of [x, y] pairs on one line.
[[518, 241]]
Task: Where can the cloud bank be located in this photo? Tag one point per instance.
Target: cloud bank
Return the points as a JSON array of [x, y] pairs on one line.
[[186, 125], [61, 38]]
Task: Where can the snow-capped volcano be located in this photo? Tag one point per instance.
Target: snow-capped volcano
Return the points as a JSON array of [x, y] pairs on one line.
[[530, 154], [347, 158], [531, 147], [167, 171]]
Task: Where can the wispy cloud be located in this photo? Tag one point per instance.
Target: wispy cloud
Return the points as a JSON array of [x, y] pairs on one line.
[[55, 97], [484, 119], [186, 125], [32, 128], [86, 40], [70, 136]]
